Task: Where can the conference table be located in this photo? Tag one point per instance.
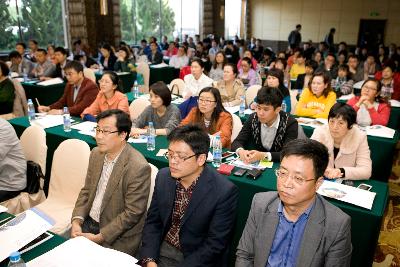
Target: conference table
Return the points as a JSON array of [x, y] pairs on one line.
[[38, 250], [365, 223], [165, 74], [46, 95]]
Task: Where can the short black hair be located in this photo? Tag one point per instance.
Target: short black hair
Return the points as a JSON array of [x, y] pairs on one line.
[[42, 50], [234, 68], [248, 60], [269, 96], [61, 50], [115, 79], [277, 73], [14, 54], [312, 64], [344, 111], [298, 26], [161, 89], [308, 149], [123, 123], [76, 65], [193, 135], [4, 68], [33, 41], [21, 44], [199, 61]]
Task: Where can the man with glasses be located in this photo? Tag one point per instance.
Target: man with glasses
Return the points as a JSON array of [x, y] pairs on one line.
[[267, 130], [295, 226], [193, 209], [79, 92], [111, 207]]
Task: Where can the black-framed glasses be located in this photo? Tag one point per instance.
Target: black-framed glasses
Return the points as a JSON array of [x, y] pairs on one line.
[[205, 101], [177, 157], [105, 132], [284, 176]]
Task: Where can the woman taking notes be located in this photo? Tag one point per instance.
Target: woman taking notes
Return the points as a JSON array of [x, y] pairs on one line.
[[349, 155], [211, 114], [109, 97]]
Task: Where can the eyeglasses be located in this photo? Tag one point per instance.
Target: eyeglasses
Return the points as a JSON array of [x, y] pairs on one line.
[[368, 88], [205, 101], [105, 132], [177, 157], [284, 176]]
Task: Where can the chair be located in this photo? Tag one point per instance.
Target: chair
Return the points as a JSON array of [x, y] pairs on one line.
[[144, 69], [20, 106], [251, 93], [89, 73], [184, 71], [68, 172], [154, 171], [293, 100], [177, 86], [237, 126], [137, 107], [33, 143]]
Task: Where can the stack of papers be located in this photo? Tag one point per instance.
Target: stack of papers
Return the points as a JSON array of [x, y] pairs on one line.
[[142, 139], [348, 194], [312, 122], [51, 82], [49, 121], [394, 103], [80, 251], [232, 110], [345, 97], [21, 230], [86, 128], [158, 66], [380, 131], [260, 165]]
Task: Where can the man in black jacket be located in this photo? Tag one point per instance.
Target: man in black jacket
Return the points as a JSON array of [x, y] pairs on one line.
[[267, 130]]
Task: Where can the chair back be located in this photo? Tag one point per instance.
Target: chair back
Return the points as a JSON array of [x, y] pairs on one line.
[[144, 69], [184, 71], [237, 126], [89, 73], [251, 93], [20, 107], [154, 171], [33, 143], [137, 106], [177, 86]]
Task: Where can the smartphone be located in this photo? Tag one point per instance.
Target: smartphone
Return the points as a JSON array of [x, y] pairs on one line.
[[365, 187], [239, 171], [254, 174]]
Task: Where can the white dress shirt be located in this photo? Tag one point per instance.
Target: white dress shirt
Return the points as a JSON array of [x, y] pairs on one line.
[[193, 86]]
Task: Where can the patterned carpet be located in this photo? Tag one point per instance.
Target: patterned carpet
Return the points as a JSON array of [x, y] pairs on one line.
[[388, 249]]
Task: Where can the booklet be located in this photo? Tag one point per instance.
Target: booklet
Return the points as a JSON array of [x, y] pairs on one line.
[[49, 121], [380, 131], [51, 82]]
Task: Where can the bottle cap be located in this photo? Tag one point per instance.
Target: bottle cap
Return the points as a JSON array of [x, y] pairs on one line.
[[15, 256]]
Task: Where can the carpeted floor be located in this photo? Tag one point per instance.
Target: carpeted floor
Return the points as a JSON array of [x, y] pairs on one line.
[[388, 249]]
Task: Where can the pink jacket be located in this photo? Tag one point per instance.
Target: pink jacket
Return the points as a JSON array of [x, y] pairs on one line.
[[100, 104], [380, 116]]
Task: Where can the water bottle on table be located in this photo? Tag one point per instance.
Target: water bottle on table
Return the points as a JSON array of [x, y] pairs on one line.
[[67, 120], [284, 107], [25, 74], [217, 151], [135, 90], [242, 107], [151, 137], [16, 260], [31, 110]]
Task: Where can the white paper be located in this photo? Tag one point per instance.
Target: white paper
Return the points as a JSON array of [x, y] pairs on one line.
[[348, 194], [210, 157], [346, 97], [49, 121], [358, 85], [311, 122], [21, 230], [394, 103], [380, 131], [142, 139], [81, 252], [178, 101], [248, 111], [122, 73], [241, 164], [232, 110], [161, 152], [51, 82], [159, 66], [3, 209], [145, 96], [84, 126]]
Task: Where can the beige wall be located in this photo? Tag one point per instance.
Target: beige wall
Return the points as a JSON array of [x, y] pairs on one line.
[[274, 19]]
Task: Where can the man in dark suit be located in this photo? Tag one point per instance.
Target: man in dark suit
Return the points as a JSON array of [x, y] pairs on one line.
[[192, 212], [111, 207], [79, 92], [60, 56], [295, 226], [155, 57]]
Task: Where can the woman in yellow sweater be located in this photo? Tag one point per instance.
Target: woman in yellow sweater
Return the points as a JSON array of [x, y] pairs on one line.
[[317, 100]]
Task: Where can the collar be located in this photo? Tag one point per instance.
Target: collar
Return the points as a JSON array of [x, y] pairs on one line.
[[106, 160], [306, 213], [275, 124]]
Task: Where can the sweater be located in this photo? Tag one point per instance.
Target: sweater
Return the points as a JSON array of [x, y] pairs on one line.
[[168, 121], [233, 96], [379, 117], [101, 103], [309, 104]]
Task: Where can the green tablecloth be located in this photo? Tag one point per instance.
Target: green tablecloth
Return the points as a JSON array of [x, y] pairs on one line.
[[127, 79], [382, 151], [36, 251], [165, 74], [46, 95], [365, 224]]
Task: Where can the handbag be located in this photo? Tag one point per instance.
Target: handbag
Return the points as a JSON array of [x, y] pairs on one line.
[[33, 175]]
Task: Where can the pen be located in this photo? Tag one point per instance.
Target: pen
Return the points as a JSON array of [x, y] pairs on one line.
[[37, 101]]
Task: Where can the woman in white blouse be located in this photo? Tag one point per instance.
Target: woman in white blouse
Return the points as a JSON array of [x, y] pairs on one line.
[[197, 80], [180, 59]]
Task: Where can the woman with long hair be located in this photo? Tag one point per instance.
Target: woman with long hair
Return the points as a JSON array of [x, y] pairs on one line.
[[107, 58], [217, 69]]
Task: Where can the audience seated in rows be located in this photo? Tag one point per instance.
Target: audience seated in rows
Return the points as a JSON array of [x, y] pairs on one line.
[[231, 89], [197, 80], [275, 80], [217, 69]]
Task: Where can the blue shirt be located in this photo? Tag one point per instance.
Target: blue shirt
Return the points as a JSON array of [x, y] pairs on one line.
[[286, 245]]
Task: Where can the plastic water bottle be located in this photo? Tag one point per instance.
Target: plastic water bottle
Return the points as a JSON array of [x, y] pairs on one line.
[[151, 137], [135, 90], [217, 151], [67, 120], [284, 108], [242, 107], [16, 260], [31, 110], [25, 75]]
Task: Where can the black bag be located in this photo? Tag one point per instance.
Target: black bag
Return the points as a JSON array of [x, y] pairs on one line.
[[33, 175]]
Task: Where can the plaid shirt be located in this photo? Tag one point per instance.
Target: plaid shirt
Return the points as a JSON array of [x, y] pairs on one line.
[[182, 199], [387, 89]]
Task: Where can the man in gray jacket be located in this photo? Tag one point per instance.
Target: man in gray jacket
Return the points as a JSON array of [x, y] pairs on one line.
[[295, 226]]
